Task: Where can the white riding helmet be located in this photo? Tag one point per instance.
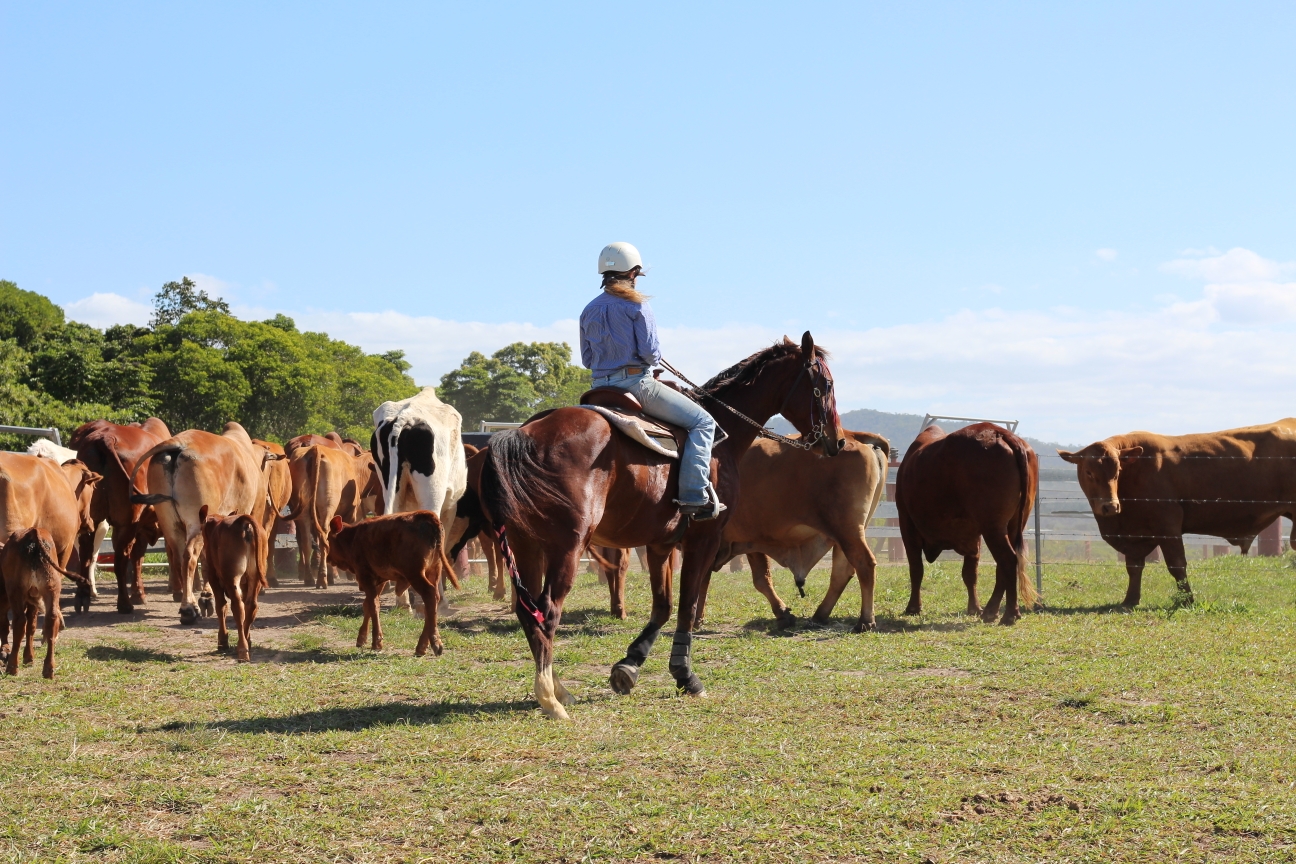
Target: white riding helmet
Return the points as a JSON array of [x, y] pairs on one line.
[[619, 258]]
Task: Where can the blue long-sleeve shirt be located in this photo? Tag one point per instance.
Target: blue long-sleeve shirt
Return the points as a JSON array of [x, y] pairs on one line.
[[616, 332]]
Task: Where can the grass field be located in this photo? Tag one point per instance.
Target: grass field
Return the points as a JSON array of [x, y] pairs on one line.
[[1082, 734]]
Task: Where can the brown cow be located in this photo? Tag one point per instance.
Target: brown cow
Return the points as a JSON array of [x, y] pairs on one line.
[[796, 506], [1148, 490], [235, 556], [952, 491], [114, 451], [405, 548], [226, 472], [31, 575], [334, 483]]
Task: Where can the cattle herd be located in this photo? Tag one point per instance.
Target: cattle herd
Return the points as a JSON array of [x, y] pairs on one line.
[[216, 501]]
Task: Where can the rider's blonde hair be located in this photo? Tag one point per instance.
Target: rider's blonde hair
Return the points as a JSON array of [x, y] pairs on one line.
[[623, 285]]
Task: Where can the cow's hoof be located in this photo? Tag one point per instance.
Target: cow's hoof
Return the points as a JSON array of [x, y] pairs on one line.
[[820, 620], [437, 648], [124, 608], [137, 598], [865, 627], [206, 605], [785, 620], [188, 615], [48, 673], [623, 679], [912, 609], [1008, 620]]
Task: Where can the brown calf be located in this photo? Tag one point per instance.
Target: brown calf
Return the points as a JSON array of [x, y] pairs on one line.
[[404, 548], [234, 562], [31, 575]]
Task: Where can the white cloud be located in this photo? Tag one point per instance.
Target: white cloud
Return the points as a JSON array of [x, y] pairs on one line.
[[105, 310], [1235, 265], [213, 286], [1105, 254]]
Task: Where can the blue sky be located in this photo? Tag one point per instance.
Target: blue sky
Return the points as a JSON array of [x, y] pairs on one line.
[[1082, 216]]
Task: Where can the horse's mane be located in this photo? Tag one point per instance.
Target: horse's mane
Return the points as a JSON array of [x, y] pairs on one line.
[[745, 371]]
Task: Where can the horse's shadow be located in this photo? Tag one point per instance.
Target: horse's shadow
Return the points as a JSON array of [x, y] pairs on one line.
[[838, 627], [355, 719], [1098, 609]]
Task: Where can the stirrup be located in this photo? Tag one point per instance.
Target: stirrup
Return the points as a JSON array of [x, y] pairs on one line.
[[702, 512]]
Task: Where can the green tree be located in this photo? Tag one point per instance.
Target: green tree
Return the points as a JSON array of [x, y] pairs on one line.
[[514, 383], [178, 299], [26, 315]]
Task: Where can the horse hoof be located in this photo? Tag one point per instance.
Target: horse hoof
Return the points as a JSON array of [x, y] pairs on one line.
[[189, 615], [125, 609], [866, 627], [1008, 620], [624, 678], [437, 648], [557, 712], [912, 610], [785, 620], [137, 598]]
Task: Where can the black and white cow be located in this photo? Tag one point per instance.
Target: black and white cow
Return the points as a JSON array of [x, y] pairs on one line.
[[420, 456]]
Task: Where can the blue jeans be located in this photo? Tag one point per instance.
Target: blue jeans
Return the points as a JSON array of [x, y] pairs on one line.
[[674, 407]]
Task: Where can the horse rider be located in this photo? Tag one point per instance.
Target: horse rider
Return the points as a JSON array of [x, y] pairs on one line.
[[619, 345]]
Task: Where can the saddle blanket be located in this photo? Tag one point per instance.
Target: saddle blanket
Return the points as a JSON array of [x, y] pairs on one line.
[[656, 438]]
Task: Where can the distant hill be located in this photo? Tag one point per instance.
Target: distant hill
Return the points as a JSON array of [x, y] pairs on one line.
[[902, 429]]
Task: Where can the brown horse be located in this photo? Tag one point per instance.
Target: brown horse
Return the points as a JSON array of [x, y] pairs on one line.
[[567, 479], [951, 491], [113, 451]]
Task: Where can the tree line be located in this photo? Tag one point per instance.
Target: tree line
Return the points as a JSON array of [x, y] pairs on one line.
[[197, 366]]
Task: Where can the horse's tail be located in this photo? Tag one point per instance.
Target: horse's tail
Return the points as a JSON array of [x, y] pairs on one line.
[[516, 487], [1026, 595]]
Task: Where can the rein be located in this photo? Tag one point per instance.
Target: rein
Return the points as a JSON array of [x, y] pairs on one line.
[[523, 595], [761, 431]]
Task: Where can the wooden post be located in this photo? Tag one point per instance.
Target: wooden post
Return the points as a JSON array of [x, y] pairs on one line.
[[1269, 542], [895, 545]]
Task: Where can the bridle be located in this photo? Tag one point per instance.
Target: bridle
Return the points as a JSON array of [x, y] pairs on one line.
[[822, 389]]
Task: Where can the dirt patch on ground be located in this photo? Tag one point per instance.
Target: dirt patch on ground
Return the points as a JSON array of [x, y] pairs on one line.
[[153, 632]]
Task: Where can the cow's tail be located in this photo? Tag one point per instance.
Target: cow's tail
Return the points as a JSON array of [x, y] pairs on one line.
[[393, 468], [38, 555], [517, 489], [438, 540], [168, 453], [255, 536], [1026, 596], [300, 499]]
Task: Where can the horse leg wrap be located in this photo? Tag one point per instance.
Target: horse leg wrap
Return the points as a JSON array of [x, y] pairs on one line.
[[639, 648], [625, 674], [681, 664]]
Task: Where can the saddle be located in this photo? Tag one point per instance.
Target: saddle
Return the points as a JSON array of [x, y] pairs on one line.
[[622, 408]]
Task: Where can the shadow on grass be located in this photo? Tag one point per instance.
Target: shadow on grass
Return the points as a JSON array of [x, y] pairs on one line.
[[1099, 609], [355, 719], [841, 626], [130, 654]]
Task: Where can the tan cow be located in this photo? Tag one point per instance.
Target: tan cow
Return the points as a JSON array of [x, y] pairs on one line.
[[235, 556], [334, 483], [1148, 490], [37, 492], [309, 558], [225, 472]]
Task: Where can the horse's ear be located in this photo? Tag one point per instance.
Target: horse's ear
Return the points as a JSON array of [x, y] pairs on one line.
[[807, 346]]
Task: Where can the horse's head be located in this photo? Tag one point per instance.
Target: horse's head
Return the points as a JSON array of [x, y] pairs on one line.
[[811, 404]]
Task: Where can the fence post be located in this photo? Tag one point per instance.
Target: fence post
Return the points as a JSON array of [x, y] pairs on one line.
[[1039, 560]]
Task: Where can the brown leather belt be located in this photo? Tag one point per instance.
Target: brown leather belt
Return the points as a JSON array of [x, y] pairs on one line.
[[632, 370]]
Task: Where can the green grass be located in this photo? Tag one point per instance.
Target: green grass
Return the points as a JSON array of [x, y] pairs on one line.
[[1082, 734]]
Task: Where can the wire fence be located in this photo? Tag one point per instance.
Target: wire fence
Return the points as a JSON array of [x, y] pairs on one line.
[[1063, 530]]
